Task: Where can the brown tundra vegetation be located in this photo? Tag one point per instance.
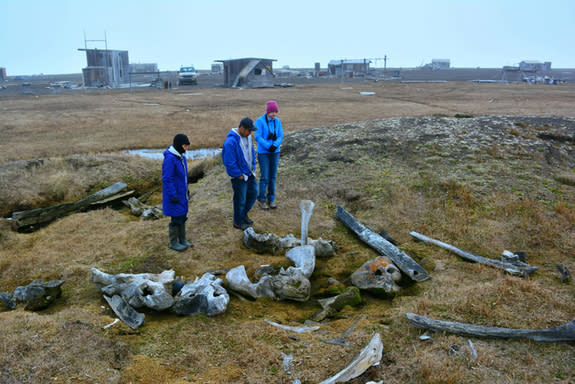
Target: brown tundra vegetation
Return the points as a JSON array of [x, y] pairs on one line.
[[484, 167]]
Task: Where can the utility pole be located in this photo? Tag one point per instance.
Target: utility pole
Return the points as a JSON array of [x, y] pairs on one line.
[[384, 64]]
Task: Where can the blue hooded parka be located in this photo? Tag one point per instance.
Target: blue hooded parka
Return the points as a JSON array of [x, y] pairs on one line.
[[174, 183], [233, 157]]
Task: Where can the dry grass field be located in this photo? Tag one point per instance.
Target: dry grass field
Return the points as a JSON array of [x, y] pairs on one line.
[[461, 162]]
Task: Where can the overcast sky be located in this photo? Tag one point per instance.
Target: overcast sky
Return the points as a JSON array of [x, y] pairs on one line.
[[43, 36]]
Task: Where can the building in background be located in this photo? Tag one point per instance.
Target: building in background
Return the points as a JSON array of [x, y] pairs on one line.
[[216, 68], [248, 73], [106, 67], [349, 68], [437, 64], [3, 74], [535, 66]]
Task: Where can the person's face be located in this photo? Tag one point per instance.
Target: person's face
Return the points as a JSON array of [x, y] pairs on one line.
[[272, 115], [186, 146], [244, 132]]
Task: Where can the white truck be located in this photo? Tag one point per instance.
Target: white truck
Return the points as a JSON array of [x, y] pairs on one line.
[[187, 75]]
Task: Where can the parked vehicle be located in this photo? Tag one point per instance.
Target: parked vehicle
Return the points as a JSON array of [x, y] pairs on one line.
[[188, 75]]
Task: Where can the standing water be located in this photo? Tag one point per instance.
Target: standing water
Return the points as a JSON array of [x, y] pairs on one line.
[[194, 154]]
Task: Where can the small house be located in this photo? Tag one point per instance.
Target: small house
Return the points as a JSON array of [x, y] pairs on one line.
[[106, 67], [349, 68], [248, 73]]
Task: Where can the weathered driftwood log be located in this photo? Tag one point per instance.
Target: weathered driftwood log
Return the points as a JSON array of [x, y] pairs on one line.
[[369, 356], [565, 332], [45, 215], [405, 263], [513, 267]]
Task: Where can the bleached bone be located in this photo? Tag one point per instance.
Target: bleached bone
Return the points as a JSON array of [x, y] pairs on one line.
[[306, 207], [125, 312], [298, 329], [565, 332], [304, 259], [38, 294], [369, 356], [405, 263], [139, 290], [288, 284], [287, 362], [379, 276], [332, 305], [340, 340], [512, 267], [116, 320], [206, 295], [143, 211], [273, 244]]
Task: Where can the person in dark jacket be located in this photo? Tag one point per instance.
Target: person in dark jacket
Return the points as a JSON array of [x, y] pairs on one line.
[[239, 158], [175, 191], [269, 137]]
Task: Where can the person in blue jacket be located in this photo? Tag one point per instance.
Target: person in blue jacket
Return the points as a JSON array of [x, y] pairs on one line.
[[175, 192], [269, 136], [239, 158]]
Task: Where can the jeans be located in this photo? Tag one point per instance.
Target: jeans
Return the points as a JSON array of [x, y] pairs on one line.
[[268, 174], [245, 193]]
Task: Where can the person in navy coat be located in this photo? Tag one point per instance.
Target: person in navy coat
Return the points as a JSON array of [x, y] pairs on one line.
[[175, 193]]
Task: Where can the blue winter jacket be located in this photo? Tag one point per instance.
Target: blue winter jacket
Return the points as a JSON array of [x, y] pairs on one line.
[[233, 157], [174, 183], [264, 134]]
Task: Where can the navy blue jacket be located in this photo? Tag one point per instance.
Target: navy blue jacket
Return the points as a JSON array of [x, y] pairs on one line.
[[174, 184], [233, 156]]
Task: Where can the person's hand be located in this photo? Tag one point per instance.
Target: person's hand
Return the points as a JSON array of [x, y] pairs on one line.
[[174, 200], [272, 148]]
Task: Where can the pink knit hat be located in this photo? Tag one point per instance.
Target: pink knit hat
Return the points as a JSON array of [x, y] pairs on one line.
[[272, 106]]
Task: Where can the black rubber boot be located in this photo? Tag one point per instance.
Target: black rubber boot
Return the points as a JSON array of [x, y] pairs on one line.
[[174, 238], [182, 236]]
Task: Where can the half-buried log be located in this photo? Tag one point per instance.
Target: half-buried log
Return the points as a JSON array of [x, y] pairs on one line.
[[405, 263], [565, 332], [40, 216], [513, 267]]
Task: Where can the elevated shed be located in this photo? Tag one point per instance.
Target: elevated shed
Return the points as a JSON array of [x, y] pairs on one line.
[[106, 67], [248, 73]]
